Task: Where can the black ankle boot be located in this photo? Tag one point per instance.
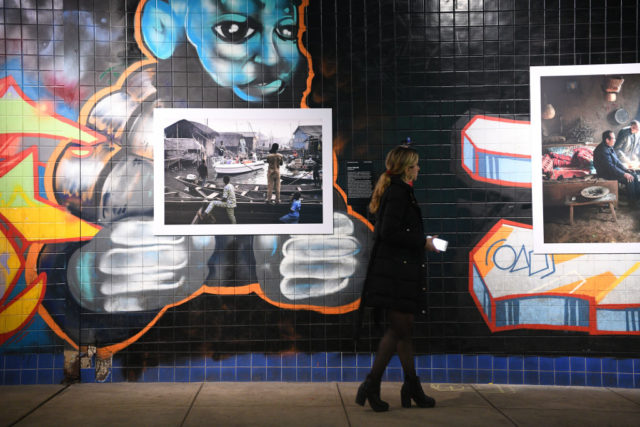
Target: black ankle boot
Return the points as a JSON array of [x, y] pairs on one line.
[[411, 389], [370, 390]]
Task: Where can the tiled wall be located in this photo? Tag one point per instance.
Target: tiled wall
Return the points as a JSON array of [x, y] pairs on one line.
[[330, 367], [390, 69]]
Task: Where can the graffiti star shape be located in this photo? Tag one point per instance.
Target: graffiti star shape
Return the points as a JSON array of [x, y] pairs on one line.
[[20, 117], [36, 219]]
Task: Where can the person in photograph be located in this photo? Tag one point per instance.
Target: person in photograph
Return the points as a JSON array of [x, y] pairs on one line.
[[396, 275], [627, 145], [203, 172], [609, 166], [274, 160], [316, 173], [228, 201], [293, 217], [221, 149]]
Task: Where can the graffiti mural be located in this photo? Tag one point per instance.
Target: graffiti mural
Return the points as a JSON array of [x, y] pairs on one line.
[[515, 288], [30, 219], [82, 269], [484, 140], [78, 202]]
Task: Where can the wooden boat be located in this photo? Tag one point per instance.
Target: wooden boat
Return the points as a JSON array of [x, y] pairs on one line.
[[182, 207], [298, 178], [185, 211], [295, 165], [237, 168], [254, 191]]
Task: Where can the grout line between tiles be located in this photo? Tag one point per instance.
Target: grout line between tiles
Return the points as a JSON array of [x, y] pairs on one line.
[[193, 401], [346, 414], [40, 405], [492, 405], [622, 395]]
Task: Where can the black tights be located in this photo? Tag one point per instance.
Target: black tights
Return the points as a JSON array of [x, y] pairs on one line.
[[396, 338]]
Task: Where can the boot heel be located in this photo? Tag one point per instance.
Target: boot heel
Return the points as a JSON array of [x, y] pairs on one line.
[[361, 397], [405, 397], [411, 389], [370, 390]]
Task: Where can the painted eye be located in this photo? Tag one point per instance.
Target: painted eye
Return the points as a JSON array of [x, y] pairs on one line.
[[234, 31], [287, 32]]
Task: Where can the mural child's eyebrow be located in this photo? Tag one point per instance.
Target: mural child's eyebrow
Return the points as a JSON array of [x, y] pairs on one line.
[[260, 4], [246, 6]]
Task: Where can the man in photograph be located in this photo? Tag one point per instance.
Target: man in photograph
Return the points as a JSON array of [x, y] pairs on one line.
[[228, 202], [203, 172], [609, 166], [274, 160], [628, 143]]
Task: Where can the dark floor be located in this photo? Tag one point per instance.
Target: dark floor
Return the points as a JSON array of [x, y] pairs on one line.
[[312, 404], [592, 224]]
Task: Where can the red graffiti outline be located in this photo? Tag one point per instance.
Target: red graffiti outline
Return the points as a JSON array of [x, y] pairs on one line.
[[474, 175], [107, 351], [593, 305]]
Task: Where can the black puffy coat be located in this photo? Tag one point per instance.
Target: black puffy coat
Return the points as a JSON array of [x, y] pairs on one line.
[[396, 276]]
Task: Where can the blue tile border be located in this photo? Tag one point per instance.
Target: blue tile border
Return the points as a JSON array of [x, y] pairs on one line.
[[469, 361], [531, 363], [258, 373], [516, 363], [45, 368], [319, 360], [546, 364], [485, 361], [594, 379]]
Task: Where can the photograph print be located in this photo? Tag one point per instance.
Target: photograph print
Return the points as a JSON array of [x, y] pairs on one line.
[[242, 171], [586, 158]]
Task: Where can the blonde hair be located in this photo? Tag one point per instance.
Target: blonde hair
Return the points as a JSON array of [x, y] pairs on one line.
[[397, 162]]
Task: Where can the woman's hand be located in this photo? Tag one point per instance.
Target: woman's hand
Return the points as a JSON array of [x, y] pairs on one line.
[[428, 244]]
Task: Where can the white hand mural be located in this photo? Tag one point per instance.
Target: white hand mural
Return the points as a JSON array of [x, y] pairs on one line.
[[318, 265], [126, 268], [305, 268]]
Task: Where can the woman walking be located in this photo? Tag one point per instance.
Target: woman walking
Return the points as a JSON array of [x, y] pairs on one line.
[[396, 275]]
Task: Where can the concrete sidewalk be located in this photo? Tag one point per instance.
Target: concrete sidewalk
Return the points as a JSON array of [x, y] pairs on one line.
[[311, 404]]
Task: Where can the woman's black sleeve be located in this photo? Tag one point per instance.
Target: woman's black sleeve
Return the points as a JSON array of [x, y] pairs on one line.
[[394, 228]]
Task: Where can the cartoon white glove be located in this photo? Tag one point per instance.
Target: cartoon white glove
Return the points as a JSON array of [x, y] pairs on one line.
[[323, 270], [125, 267]]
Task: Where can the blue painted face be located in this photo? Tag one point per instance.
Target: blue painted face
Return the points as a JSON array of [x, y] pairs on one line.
[[249, 45]]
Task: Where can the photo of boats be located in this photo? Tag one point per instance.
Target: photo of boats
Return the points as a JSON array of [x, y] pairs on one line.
[[213, 168]]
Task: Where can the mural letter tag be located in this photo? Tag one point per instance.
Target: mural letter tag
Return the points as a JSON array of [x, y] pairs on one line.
[[515, 289]]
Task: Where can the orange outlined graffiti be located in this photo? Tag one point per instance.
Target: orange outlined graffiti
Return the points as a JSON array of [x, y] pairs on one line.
[[484, 156], [26, 216], [87, 140], [514, 288], [17, 312], [35, 218], [301, 31]]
